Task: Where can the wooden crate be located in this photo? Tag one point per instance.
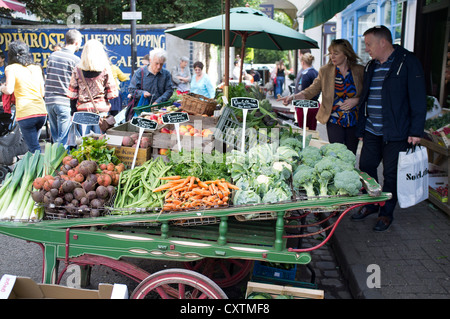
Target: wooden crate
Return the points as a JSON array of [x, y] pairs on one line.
[[126, 155], [276, 290], [127, 129]]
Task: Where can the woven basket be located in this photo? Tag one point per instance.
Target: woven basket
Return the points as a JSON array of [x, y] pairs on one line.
[[197, 104]]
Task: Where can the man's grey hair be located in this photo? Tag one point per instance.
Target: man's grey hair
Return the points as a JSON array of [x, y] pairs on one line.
[[158, 53], [72, 36], [184, 58]]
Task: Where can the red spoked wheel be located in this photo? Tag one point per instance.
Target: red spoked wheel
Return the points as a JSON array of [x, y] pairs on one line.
[[178, 284], [224, 272]]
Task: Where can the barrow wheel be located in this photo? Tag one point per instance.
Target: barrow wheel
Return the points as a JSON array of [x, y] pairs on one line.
[[178, 284], [224, 272]]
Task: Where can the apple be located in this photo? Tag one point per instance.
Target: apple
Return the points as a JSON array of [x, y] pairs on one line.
[[163, 151], [165, 130]]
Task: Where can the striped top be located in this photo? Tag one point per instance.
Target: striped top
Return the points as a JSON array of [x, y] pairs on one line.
[[374, 123], [59, 71], [344, 88]]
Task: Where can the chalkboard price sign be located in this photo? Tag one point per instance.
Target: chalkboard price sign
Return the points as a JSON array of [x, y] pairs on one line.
[[144, 123], [175, 117], [306, 104], [244, 103], [86, 118]]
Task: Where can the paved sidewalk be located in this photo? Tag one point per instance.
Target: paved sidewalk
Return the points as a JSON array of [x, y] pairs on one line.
[[413, 255]]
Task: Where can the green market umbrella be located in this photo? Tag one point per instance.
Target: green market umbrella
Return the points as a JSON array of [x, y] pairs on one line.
[[248, 28]]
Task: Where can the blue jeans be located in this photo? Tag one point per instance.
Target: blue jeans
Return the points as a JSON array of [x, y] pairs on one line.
[[60, 120], [94, 128], [31, 130], [279, 86]]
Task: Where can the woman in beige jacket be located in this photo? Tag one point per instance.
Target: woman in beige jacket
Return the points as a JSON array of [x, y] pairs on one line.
[[340, 82]]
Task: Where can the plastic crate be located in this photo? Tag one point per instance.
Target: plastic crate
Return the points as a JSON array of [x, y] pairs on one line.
[[150, 108], [261, 270], [229, 131]]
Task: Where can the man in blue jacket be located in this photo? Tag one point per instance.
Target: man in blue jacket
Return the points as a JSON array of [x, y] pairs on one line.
[[392, 111]]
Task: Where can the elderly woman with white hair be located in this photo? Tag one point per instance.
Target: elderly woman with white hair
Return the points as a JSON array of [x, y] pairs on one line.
[[153, 82], [181, 76]]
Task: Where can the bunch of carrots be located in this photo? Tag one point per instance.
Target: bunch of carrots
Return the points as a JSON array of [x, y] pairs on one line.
[[192, 193]]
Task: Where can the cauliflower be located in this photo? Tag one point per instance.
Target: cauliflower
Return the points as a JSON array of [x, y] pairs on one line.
[[279, 166], [347, 183], [283, 170]]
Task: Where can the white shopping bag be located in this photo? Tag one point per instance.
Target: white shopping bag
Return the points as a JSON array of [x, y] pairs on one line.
[[412, 176]]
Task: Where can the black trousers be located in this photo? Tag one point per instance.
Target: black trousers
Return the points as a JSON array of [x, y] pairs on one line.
[[374, 151], [343, 135]]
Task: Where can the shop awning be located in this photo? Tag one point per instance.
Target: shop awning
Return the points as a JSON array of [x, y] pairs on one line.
[[13, 5], [323, 10]]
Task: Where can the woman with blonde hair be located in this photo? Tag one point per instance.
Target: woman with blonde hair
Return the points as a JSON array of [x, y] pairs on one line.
[[307, 77], [340, 82], [92, 77], [25, 80]]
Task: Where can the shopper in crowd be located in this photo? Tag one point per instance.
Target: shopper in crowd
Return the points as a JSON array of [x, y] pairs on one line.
[[201, 83], [146, 60], [25, 79], [92, 77], [256, 76], [157, 84], [273, 79], [181, 76], [237, 71], [308, 75], [340, 82], [281, 78], [2, 68], [59, 72], [119, 76], [298, 78], [57, 47], [392, 114]]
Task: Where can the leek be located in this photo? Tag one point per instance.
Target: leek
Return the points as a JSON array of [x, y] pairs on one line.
[[15, 194]]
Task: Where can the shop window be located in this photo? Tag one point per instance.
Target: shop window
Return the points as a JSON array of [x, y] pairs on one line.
[[390, 13]]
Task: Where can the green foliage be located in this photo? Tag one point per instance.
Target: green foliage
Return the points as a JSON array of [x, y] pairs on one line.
[[153, 12]]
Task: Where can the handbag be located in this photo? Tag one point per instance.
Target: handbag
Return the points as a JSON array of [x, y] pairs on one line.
[[132, 103], [8, 100], [105, 122], [412, 176]]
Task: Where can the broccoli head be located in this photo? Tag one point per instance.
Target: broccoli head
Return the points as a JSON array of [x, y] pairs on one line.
[[340, 151], [310, 155], [347, 182], [325, 170], [305, 178]]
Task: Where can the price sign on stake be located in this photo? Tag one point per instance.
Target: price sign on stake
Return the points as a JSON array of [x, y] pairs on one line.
[[143, 124], [85, 119], [305, 105], [245, 104], [176, 118]]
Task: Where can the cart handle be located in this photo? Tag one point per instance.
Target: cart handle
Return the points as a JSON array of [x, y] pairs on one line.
[[301, 250]]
